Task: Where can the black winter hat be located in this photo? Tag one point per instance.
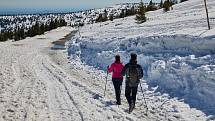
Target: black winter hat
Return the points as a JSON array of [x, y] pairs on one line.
[[117, 58], [133, 56]]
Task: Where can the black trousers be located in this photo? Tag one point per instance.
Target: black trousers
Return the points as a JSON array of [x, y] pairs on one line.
[[117, 83], [130, 94]]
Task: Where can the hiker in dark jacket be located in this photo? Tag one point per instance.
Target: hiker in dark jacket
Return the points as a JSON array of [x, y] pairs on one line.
[[134, 73], [117, 77]]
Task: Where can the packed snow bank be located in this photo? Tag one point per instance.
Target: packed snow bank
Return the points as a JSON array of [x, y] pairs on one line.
[[182, 66], [188, 77]]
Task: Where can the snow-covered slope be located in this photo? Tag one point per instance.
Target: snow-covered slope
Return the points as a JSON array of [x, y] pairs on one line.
[[12, 22], [175, 48], [40, 84]]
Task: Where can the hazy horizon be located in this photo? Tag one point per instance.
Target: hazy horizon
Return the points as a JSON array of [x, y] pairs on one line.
[[32, 6]]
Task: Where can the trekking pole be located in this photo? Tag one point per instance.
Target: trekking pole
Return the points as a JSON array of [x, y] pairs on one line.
[[105, 84], [144, 98]]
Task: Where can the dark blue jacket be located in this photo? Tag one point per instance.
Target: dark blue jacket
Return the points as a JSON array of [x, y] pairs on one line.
[[139, 68]]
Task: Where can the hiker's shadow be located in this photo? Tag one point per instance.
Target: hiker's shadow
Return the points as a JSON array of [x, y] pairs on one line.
[[109, 103]]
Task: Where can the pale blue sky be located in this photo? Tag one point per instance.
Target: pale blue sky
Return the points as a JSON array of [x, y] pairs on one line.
[[60, 3]]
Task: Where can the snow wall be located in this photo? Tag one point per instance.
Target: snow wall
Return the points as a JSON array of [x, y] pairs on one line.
[[180, 65]]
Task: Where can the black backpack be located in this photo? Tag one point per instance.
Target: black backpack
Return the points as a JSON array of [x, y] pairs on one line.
[[132, 75]]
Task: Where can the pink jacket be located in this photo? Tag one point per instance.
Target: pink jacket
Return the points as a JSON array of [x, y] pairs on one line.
[[116, 68]]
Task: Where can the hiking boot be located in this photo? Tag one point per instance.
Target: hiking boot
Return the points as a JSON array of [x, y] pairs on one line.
[[131, 107], [118, 103]]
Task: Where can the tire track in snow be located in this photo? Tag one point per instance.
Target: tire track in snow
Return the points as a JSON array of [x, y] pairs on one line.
[[23, 95], [51, 69], [55, 83]]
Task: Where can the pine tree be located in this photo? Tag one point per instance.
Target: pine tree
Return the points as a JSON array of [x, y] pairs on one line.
[[150, 3], [102, 17], [140, 17], [62, 22], [133, 11], [10, 34], [30, 32], [7, 35], [111, 17], [151, 6], [161, 4], [2, 37], [42, 28], [166, 5], [122, 14], [51, 25], [46, 27], [105, 18], [21, 33], [37, 30], [56, 23], [16, 35], [127, 12], [99, 19]]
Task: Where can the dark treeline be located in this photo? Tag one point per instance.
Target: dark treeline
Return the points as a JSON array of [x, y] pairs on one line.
[[124, 13], [37, 29], [135, 10]]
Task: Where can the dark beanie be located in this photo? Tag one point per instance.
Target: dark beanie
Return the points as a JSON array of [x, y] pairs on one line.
[[117, 58], [133, 56]]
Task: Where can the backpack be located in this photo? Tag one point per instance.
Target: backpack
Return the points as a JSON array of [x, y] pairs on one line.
[[132, 75]]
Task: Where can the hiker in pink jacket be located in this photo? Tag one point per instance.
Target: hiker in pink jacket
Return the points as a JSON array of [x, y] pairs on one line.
[[117, 77]]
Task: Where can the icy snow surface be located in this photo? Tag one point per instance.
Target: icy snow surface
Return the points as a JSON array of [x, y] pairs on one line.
[[175, 49]]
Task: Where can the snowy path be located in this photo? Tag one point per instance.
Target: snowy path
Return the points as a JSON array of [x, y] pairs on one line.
[[29, 89], [40, 84]]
